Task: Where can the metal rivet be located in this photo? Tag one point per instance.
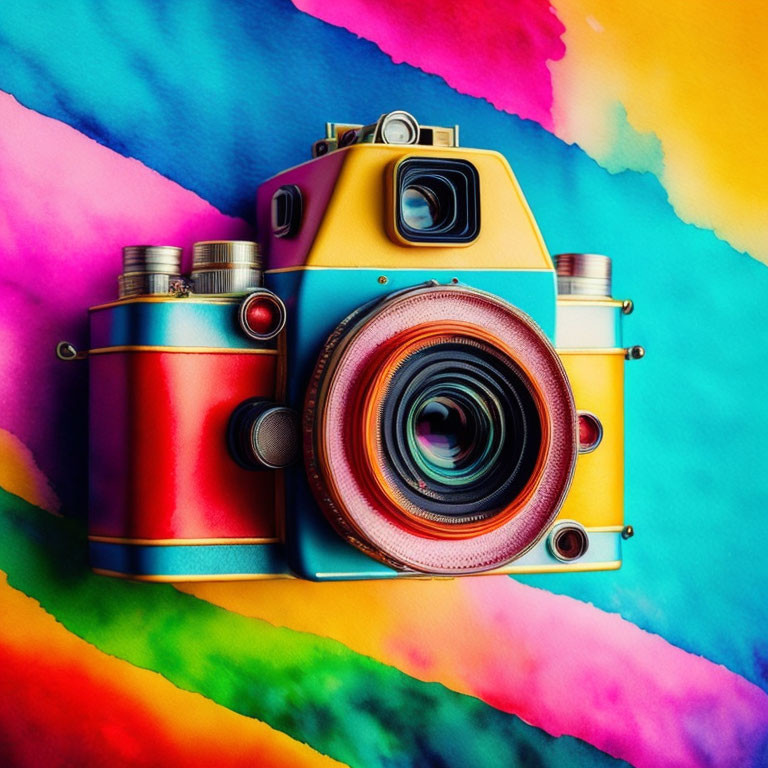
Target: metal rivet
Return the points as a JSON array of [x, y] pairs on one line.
[[383, 279], [628, 532], [627, 306], [454, 280], [634, 353], [66, 351]]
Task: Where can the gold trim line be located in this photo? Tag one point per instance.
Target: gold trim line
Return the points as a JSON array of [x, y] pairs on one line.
[[594, 301], [604, 528], [610, 565], [199, 298], [181, 542], [383, 270], [186, 350], [180, 578], [590, 351]]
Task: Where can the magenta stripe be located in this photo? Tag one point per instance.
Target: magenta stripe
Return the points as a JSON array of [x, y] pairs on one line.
[[570, 668]]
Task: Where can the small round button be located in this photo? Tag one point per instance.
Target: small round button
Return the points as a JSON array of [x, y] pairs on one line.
[[262, 315]]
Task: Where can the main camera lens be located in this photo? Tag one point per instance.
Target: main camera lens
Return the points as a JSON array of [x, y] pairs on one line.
[[444, 432], [461, 431], [451, 431], [439, 430]]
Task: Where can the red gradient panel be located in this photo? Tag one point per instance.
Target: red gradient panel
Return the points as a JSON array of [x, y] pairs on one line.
[[160, 465]]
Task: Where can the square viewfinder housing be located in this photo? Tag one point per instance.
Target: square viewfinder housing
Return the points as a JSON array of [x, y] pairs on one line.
[[437, 201]]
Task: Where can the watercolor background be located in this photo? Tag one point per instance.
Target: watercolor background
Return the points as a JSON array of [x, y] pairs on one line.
[[635, 130]]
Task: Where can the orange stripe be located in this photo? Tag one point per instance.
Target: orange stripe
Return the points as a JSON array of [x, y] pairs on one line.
[[97, 710]]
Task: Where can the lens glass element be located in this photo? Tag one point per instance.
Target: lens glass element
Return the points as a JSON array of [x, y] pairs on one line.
[[444, 434], [450, 432], [460, 431], [420, 208]]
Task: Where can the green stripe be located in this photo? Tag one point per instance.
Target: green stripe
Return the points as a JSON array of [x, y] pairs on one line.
[[343, 704]]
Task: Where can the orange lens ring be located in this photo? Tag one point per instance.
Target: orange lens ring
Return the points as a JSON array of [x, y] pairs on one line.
[[373, 394]]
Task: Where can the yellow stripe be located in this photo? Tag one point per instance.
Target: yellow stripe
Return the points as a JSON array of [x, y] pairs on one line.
[[186, 350], [605, 529], [610, 565]]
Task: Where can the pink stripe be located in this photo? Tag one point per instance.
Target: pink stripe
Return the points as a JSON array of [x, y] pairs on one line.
[[569, 668], [67, 206], [494, 49]]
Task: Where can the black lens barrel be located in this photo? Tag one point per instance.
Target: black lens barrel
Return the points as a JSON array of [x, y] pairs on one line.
[[510, 428]]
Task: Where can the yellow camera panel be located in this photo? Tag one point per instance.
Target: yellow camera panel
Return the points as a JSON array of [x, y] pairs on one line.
[[351, 232]]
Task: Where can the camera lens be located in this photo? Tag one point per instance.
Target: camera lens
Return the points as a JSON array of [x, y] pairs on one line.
[[420, 208], [437, 200], [450, 433], [426, 206], [441, 430], [446, 432], [460, 431]]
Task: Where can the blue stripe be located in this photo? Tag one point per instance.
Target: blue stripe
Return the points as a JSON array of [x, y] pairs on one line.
[[182, 322], [186, 560]]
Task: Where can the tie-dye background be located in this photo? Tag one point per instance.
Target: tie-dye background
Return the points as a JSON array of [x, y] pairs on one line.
[[635, 130]]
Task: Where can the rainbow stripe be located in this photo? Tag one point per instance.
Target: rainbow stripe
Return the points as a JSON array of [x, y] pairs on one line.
[[127, 122]]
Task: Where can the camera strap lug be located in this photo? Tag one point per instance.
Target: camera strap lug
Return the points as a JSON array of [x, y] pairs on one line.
[[67, 352]]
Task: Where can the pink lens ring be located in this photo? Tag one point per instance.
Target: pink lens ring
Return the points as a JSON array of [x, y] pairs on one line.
[[339, 490]]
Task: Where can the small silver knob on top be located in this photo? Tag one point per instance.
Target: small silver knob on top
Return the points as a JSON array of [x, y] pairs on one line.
[[583, 274], [226, 266], [149, 270]]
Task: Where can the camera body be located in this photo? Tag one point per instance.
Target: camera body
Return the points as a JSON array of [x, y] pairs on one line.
[[458, 400]]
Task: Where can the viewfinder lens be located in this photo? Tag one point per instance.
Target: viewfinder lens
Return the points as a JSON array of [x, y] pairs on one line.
[[437, 200], [420, 208], [397, 132]]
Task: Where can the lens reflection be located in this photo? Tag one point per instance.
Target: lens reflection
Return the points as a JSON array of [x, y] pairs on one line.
[[444, 434], [453, 429], [420, 208]]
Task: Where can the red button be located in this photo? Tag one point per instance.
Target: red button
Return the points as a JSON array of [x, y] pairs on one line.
[[262, 316], [590, 431]]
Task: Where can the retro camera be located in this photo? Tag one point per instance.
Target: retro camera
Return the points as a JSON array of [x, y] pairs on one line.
[[396, 381]]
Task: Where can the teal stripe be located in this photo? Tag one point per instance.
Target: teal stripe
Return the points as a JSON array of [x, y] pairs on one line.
[[173, 323], [184, 560]]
